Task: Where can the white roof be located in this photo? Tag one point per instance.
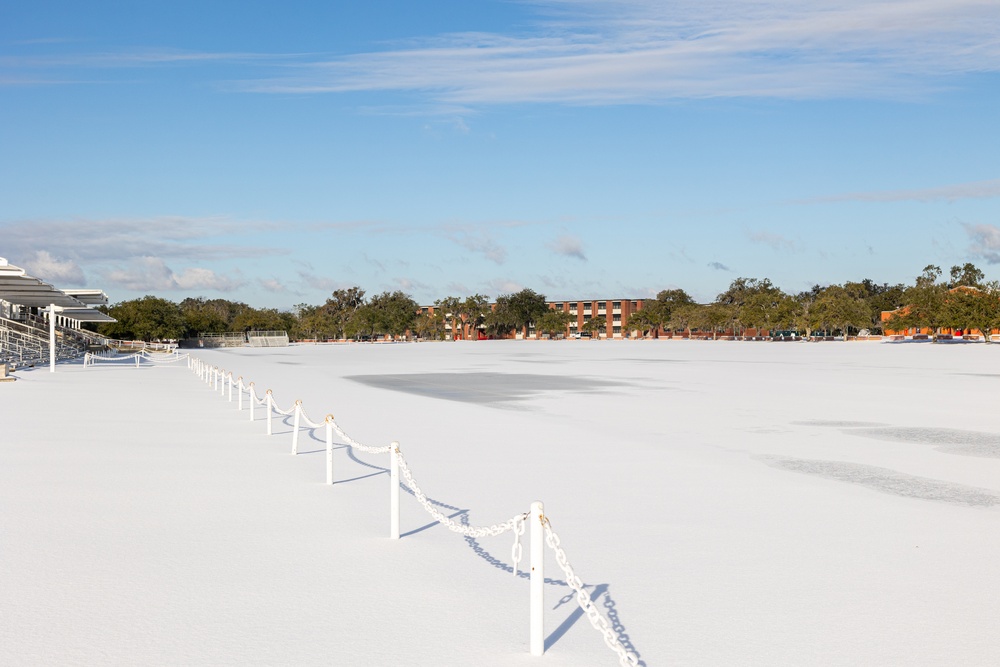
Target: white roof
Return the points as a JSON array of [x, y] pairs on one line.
[[17, 287]]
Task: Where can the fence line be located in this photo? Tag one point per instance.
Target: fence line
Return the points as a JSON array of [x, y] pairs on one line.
[[92, 358], [541, 534]]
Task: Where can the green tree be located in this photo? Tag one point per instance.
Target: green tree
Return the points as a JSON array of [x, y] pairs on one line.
[[341, 308], [430, 326], [312, 322], [879, 299], [925, 302], [449, 308], [391, 313], [764, 306], [473, 311], [595, 326], [684, 317], [967, 275], [260, 319], [971, 308], [667, 302], [840, 307], [554, 322], [148, 318], [645, 321], [524, 308], [501, 320]]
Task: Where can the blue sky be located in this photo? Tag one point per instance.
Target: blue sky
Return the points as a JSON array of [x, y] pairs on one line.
[[272, 152]]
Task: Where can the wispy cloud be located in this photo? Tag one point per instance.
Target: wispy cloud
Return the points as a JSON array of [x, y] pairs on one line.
[[59, 272], [972, 190], [322, 283], [718, 266], [85, 240], [275, 286], [152, 273], [568, 246], [503, 286], [984, 242], [619, 52], [479, 242], [775, 241], [614, 51]]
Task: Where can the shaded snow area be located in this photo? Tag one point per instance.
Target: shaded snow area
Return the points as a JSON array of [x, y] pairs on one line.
[[725, 504]]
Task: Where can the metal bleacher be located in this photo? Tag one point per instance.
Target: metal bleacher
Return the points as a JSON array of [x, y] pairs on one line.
[[36, 318]]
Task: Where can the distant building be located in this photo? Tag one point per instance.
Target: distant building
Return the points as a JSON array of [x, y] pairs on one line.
[[615, 311]]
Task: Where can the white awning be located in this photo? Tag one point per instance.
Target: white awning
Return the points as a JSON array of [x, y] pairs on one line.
[[18, 288]]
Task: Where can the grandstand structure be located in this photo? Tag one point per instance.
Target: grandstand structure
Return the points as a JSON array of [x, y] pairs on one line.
[[40, 322], [250, 338]]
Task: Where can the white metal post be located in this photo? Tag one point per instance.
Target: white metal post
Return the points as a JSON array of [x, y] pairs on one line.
[[393, 491], [270, 411], [329, 449], [222, 382], [52, 338], [230, 387], [240, 387], [253, 400], [537, 582], [295, 427]]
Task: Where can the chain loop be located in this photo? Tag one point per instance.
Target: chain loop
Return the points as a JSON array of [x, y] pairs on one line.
[[625, 657], [454, 526]]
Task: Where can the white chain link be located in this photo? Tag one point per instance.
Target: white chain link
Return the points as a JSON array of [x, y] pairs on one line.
[[515, 551], [308, 422], [357, 445], [96, 357], [471, 531], [168, 358], [625, 657]]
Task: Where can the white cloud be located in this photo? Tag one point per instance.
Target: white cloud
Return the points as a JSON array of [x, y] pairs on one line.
[[411, 284], [272, 285], [59, 272], [503, 286], [775, 241], [568, 246], [480, 242], [615, 51], [121, 239], [985, 242], [152, 273], [321, 282]]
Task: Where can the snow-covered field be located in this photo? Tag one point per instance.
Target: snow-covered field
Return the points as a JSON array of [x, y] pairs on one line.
[[727, 503]]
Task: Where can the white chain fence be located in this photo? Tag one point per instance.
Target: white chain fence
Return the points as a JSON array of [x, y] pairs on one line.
[[217, 379], [601, 624], [93, 358]]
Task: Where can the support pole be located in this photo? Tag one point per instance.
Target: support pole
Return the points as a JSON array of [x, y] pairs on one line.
[[240, 387], [253, 400], [295, 427], [52, 338], [270, 411], [230, 387], [329, 449], [393, 491], [537, 583]]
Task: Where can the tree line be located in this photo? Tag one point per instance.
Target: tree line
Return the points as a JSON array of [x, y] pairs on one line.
[[965, 300]]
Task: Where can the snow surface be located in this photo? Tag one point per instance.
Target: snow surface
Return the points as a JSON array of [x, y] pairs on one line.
[[727, 503]]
